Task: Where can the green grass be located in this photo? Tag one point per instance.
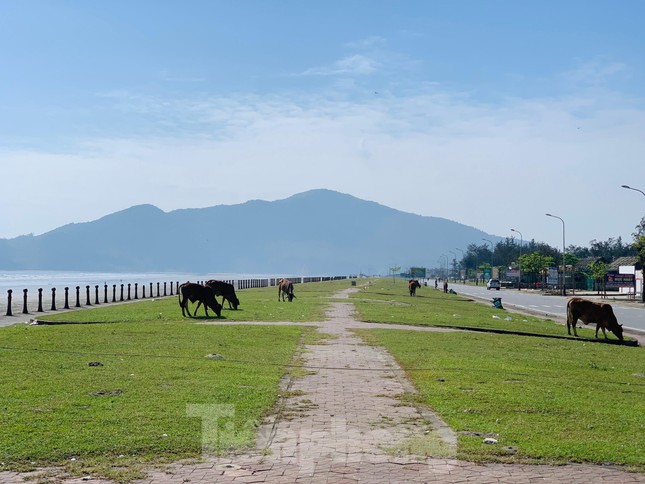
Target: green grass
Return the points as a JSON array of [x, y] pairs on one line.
[[260, 304], [557, 401], [388, 302], [55, 407]]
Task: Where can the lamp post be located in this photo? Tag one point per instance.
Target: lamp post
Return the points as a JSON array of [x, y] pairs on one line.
[[635, 189], [491, 256], [454, 260], [519, 261], [564, 289], [642, 268], [462, 258]]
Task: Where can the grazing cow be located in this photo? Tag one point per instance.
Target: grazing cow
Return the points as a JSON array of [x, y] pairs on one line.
[[412, 285], [285, 288], [226, 290], [592, 312], [189, 291]]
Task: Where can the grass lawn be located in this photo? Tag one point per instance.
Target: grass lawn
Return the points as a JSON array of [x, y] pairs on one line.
[[553, 401], [388, 302], [258, 304], [545, 399], [146, 401]]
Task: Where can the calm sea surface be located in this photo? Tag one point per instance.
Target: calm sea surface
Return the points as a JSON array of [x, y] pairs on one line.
[[33, 280]]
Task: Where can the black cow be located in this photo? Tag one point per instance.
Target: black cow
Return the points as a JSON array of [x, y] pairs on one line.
[[285, 288], [189, 291], [226, 290], [413, 284]]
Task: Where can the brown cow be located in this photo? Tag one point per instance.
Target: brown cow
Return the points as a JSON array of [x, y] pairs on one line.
[[285, 288], [412, 286], [189, 291], [226, 290], [592, 312]]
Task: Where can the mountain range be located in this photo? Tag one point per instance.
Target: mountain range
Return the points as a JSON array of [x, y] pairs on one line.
[[318, 232]]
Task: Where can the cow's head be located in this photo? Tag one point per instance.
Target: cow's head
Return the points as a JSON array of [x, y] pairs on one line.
[[291, 296], [215, 306], [235, 302], [618, 331]]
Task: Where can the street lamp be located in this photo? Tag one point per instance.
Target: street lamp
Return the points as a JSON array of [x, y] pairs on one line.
[[564, 289], [642, 269], [635, 189], [519, 261], [491, 256], [454, 259], [463, 256]]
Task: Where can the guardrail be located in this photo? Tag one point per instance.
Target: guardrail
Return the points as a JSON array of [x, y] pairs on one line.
[[96, 295]]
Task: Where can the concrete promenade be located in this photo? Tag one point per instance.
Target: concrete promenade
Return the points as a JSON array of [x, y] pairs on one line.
[[344, 422]]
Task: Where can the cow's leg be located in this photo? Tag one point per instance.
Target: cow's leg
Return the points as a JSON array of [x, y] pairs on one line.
[[599, 326], [571, 323], [199, 303], [184, 305], [181, 305]]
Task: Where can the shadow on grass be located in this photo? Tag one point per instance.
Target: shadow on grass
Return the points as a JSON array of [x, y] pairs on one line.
[[539, 335], [44, 322], [628, 342]]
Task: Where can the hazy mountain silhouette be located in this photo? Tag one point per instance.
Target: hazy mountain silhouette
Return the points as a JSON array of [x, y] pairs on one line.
[[318, 232]]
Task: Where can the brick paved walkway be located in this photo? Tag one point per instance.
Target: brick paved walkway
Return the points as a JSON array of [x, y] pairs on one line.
[[338, 424]]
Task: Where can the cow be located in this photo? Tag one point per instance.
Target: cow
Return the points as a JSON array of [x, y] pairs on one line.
[[412, 286], [226, 290], [190, 291], [592, 312], [285, 288]]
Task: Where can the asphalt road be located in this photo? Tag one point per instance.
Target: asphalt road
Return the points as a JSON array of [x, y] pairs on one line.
[[630, 314]]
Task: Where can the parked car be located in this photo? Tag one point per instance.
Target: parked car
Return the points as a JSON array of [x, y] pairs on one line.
[[493, 284]]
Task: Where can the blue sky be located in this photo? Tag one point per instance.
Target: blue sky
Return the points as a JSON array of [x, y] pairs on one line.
[[489, 113]]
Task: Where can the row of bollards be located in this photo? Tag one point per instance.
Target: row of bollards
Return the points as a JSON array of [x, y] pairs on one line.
[[123, 296]]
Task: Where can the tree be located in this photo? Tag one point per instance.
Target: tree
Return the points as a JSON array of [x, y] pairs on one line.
[[535, 264], [597, 271]]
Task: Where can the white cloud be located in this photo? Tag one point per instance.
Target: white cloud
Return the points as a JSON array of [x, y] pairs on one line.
[[367, 43], [432, 153], [354, 64]]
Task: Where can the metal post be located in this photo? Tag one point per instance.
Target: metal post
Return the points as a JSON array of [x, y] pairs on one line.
[[519, 261], [564, 267]]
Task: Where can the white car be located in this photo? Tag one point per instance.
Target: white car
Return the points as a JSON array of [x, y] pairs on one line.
[[493, 284]]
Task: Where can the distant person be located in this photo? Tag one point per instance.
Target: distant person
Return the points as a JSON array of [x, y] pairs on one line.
[[436, 283], [445, 286]]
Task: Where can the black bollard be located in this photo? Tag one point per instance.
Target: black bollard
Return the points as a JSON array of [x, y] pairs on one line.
[[164, 288], [171, 288], [9, 313], [78, 296], [96, 294], [113, 292], [121, 292], [40, 300], [128, 291], [53, 299], [105, 299], [143, 290], [24, 301], [136, 290], [67, 298], [87, 296], [157, 289], [151, 294]]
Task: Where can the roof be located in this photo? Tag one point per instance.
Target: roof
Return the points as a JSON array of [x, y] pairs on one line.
[[587, 261], [623, 261]]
